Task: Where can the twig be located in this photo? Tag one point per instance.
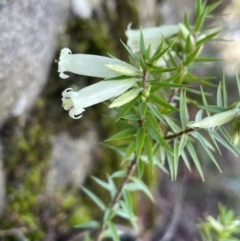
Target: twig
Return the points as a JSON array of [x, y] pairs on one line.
[[173, 136], [130, 170], [172, 95]]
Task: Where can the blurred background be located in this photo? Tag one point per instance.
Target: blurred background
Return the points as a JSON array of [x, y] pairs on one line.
[[45, 155]]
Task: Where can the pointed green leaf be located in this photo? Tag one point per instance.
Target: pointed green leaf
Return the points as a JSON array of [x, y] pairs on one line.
[[94, 198], [219, 96], [87, 237], [130, 216], [156, 135], [138, 184], [186, 20], [175, 158], [200, 21], [142, 63], [112, 186], [142, 109], [167, 85], [206, 38], [159, 50], [195, 158], [206, 142], [200, 139], [103, 184], [207, 59], [189, 43], [161, 166], [133, 117], [123, 134], [182, 143], [230, 147], [140, 168], [156, 57], [108, 215], [170, 162], [118, 174], [88, 225], [224, 92], [184, 116], [128, 201], [113, 231], [238, 82], [212, 136], [130, 51], [142, 44], [191, 57], [185, 160], [198, 7], [148, 52], [156, 113], [126, 108], [139, 141], [130, 150], [148, 149], [162, 102], [213, 108], [204, 100], [213, 6], [162, 69], [174, 127], [192, 78], [171, 57]]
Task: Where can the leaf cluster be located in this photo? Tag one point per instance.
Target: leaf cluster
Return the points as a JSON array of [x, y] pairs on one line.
[[225, 227], [154, 126]]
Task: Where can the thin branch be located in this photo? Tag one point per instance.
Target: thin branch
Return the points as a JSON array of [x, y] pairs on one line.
[[130, 170], [144, 78], [174, 92], [176, 135]]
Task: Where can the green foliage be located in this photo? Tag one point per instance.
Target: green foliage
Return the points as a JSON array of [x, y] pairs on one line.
[[156, 128], [225, 227]]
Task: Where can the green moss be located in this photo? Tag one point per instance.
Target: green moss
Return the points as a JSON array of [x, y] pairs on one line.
[[28, 149]]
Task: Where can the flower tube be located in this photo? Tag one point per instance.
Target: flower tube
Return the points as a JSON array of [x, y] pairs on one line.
[[151, 36], [76, 102], [91, 65], [216, 120]]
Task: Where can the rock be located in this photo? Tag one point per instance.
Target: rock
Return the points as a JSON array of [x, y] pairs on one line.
[[71, 160], [2, 183], [28, 32]]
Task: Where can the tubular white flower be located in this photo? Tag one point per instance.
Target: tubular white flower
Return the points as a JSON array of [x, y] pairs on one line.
[[216, 120], [75, 102], [86, 64], [151, 36]]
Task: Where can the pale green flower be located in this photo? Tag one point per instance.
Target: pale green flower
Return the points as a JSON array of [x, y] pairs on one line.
[[216, 120], [76, 102], [90, 65], [151, 36], [235, 130]]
